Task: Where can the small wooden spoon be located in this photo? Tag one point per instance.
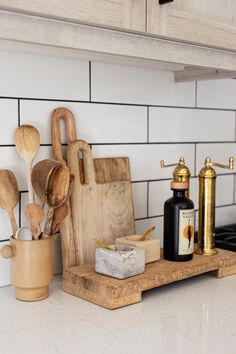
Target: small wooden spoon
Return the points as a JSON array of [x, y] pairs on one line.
[[27, 144], [9, 195], [59, 215], [35, 215]]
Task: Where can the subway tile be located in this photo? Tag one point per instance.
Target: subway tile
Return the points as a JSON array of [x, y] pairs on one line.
[[140, 199], [176, 124], [96, 123], [145, 159], [4, 268], [218, 152], [159, 192], [9, 115], [216, 93], [6, 229], [225, 215], [130, 84], [43, 77], [143, 225], [11, 160]]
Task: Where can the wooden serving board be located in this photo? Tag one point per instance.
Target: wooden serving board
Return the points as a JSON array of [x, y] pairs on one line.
[[82, 281], [101, 202]]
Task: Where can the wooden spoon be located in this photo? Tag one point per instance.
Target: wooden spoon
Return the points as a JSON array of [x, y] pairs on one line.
[[59, 215], [35, 215], [9, 195], [27, 144]]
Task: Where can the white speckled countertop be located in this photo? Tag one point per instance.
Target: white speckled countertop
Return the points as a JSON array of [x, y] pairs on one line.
[[197, 315]]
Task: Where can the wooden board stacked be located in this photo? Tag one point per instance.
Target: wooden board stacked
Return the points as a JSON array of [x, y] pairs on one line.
[[113, 293]]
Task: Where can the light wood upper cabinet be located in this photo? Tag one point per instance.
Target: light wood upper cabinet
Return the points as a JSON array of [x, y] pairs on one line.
[[208, 22], [125, 14]]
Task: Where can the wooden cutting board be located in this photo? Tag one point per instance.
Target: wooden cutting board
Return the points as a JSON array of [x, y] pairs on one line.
[[101, 202]]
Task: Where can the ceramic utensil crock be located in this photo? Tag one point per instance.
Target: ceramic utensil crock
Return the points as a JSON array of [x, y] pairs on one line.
[[31, 264]]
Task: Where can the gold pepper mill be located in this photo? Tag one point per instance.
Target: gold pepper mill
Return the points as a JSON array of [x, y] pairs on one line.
[[181, 173], [206, 216]]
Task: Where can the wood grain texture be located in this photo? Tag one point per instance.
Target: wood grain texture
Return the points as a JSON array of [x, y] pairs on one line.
[[129, 14], [102, 203], [135, 47], [112, 293], [211, 22]]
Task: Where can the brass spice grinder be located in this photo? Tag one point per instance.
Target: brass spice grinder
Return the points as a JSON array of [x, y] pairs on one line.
[[181, 172], [206, 215]]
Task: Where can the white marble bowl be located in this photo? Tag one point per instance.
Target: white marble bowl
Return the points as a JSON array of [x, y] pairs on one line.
[[122, 262]]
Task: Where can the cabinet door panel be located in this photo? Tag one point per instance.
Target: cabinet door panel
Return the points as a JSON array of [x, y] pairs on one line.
[[127, 14], [208, 22]]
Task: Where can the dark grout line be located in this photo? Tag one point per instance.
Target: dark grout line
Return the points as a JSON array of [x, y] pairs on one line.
[[5, 240], [195, 159], [148, 132], [90, 81], [20, 210], [196, 94], [149, 217], [18, 109], [117, 103], [147, 199]]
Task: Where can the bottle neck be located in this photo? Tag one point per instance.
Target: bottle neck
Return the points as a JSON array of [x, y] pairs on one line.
[[180, 193]]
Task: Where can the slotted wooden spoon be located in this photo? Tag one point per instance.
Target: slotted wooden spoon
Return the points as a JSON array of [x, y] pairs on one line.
[[9, 195], [27, 141]]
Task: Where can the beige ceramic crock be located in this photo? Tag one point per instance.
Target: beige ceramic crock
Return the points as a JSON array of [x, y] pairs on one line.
[[31, 264]]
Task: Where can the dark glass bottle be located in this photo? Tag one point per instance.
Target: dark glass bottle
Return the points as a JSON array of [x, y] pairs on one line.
[[178, 225]]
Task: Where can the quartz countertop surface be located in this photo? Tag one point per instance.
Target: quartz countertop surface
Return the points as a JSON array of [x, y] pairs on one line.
[[197, 315]]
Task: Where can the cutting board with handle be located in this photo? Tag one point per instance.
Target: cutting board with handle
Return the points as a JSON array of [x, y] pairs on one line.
[[101, 203]]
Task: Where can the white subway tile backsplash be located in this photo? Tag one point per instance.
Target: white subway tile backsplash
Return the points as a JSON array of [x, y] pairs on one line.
[[176, 124], [217, 152], [145, 159], [143, 225], [4, 268], [159, 192], [43, 77], [117, 123], [140, 199], [96, 123], [216, 94], [225, 215], [6, 229], [9, 117], [129, 84]]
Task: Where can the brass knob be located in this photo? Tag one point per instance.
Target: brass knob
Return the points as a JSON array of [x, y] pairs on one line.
[[180, 163], [7, 251], [230, 166]]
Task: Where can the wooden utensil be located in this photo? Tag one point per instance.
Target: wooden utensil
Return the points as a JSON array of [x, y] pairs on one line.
[[66, 228], [9, 195], [147, 233], [35, 215], [27, 141], [59, 215], [51, 182], [104, 245], [102, 204]]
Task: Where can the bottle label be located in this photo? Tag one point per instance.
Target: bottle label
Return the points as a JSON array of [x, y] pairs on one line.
[[186, 231]]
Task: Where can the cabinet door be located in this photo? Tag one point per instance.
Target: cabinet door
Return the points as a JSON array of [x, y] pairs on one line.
[[126, 14], [208, 22]]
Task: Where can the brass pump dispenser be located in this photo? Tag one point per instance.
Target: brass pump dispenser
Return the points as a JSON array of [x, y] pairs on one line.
[[206, 215], [181, 172]]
